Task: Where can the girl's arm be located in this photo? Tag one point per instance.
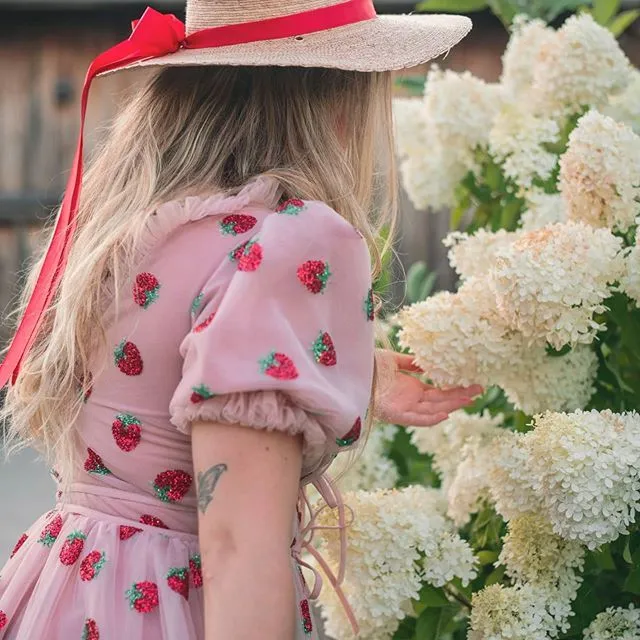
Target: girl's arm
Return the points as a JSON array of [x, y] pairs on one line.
[[247, 482]]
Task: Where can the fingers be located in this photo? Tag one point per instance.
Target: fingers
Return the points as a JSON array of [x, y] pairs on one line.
[[424, 419], [433, 395], [405, 362]]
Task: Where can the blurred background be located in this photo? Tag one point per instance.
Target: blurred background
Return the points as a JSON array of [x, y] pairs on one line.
[[45, 48]]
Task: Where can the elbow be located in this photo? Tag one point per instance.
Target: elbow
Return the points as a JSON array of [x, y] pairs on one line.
[[219, 547]]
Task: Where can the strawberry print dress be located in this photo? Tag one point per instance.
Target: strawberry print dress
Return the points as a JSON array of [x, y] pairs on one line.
[[244, 310]]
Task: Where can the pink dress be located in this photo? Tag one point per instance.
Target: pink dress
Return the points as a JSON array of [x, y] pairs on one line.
[[241, 311]]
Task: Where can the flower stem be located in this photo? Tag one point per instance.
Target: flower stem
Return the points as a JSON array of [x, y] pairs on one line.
[[458, 596]]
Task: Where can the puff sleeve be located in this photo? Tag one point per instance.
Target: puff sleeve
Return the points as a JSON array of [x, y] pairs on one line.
[[283, 337]]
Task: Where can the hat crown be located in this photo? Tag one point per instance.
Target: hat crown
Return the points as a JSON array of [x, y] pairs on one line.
[[204, 14]]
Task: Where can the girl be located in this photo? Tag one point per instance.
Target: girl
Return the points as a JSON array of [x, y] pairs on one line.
[[197, 343]]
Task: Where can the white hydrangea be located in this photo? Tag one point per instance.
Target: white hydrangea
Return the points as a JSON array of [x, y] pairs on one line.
[[473, 255], [372, 468], [630, 282], [517, 140], [581, 67], [409, 118], [599, 173], [542, 209], [458, 338], [615, 623], [398, 539], [550, 281], [625, 107]]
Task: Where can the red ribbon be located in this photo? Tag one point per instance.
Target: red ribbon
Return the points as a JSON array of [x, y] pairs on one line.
[[154, 35]]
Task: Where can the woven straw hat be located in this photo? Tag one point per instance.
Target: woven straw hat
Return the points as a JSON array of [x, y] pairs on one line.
[[381, 43]]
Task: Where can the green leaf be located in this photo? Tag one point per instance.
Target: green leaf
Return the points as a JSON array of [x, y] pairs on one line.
[[427, 286], [413, 84], [632, 583], [604, 559], [432, 622], [495, 576], [558, 353], [626, 554], [504, 9], [431, 596], [487, 557], [452, 6], [623, 21], [604, 10], [406, 630], [561, 7], [416, 276]]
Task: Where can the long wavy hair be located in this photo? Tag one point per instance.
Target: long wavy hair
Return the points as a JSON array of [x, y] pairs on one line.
[[324, 134]]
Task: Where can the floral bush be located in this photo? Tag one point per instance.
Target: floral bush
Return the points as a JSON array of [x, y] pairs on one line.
[[518, 518]]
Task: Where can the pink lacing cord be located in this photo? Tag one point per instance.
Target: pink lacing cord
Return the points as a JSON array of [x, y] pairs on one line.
[[304, 540]]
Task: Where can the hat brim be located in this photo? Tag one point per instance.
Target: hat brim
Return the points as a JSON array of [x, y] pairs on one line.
[[385, 43]]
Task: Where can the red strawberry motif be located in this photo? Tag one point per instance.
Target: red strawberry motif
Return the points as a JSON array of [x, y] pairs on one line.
[[307, 624], [314, 275], [353, 434], [279, 366], [127, 531], [94, 464], [152, 521], [128, 359], [143, 596], [72, 547], [201, 393], [145, 289], [172, 485], [203, 325], [195, 570], [251, 257], [369, 308], [291, 207], [323, 350], [92, 564], [3, 620], [127, 431], [178, 581], [51, 531], [21, 541], [90, 631], [237, 223]]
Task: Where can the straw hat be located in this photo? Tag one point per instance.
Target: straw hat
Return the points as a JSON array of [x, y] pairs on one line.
[[379, 43]]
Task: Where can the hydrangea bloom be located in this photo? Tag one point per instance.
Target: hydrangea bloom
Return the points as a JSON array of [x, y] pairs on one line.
[[599, 173], [615, 624], [398, 538], [550, 281], [542, 209]]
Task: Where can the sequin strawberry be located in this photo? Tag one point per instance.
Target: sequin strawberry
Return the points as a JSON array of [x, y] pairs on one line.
[[128, 359], [279, 366], [291, 207], [3, 620], [369, 306], [237, 223], [195, 570], [91, 565], [323, 350], [127, 531], [201, 393], [248, 255], [145, 289], [199, 328], [127, 431], [143, 596], [307, 624], [195, 305], [23, 538], [152, 521], [314, 275], [353, 434], [94, 464], [172, 485], [90, 631], [178, 581], [72, 547], [51, 531]]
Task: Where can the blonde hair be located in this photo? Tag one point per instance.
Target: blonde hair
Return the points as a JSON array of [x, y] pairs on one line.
[[323, 134]]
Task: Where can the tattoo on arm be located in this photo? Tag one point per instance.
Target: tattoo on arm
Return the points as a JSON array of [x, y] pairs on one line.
[[207, 481]]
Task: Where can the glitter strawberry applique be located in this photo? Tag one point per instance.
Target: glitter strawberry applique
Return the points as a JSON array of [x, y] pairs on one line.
[[279, 366], [143, 596], [127, 431], [3, 620], [128, 359], [21, 540], [51, 532], [172, 485], [178, 581], [307, 624], [236, 224], [369, 306], [152, 521], [195, 570], [314, 275], [204, 324], [353, 434], [323, 350], [90, 631], [195, 305], [72, 547], [92, 564], [201, 393], [291, 207], [248, 255], [127, 531], [94, 464], [145, 289]]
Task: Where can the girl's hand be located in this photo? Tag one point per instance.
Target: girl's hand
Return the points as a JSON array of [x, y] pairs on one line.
[[408, 401]]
